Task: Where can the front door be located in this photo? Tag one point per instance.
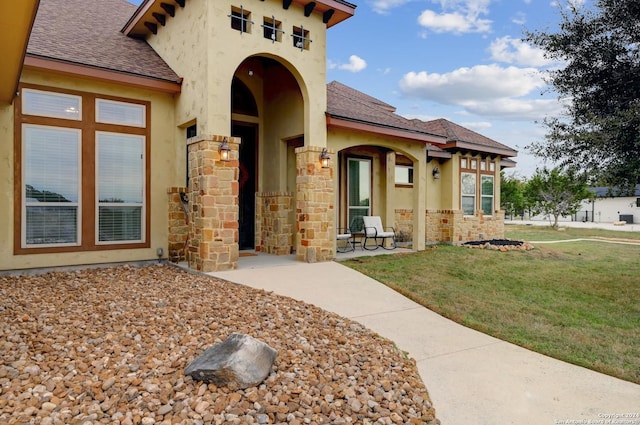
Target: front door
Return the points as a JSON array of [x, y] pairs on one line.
[[247, 181]]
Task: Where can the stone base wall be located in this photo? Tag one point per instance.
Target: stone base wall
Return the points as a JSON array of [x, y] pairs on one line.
[[404, 225], [451, 226], [454, 227], [315, 206], [213, 204], [274, 223], [178, 226]]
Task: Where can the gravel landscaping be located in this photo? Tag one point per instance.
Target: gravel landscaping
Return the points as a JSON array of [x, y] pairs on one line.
[[109, 346]]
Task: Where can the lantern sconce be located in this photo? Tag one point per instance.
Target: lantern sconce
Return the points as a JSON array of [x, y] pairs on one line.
[[224, 150], [324, 158], [436, 173]]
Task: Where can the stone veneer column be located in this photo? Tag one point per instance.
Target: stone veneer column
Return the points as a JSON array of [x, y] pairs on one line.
[[213, 204], [178, 225], [315, 206]]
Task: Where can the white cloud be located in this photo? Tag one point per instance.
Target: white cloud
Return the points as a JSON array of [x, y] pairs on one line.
[[516, 109], [455, 22], [356, 64], [513, 50], [383, 6], [458, 17], [468, 84], [519, 19], [489, 91]]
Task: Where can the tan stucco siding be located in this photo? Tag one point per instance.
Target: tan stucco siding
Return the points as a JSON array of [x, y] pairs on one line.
[[201, 46], [164, 173]]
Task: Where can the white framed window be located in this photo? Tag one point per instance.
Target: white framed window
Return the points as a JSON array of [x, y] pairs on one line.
[[120, 113], [52, 105], [51, 182], [359, 192], [486, 194], [120, 187], [404, 175], [474, 164], [468, 193], [492, 166]]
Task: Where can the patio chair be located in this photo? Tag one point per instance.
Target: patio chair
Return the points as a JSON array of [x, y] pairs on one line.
[[373, 230], [343, 241]]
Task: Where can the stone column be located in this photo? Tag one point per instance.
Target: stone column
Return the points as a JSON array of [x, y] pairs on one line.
[[315, 206], [213, 204]]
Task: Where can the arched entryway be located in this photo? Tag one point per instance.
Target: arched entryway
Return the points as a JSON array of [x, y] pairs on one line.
[[267, 113]]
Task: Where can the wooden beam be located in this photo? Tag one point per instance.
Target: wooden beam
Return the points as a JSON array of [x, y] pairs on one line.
[[308, 8], [326, 16], [162, 20], [169, 8], [286, 4], [151, 26], [180, 2]]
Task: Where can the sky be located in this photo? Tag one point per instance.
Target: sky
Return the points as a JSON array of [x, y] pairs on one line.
[[463, 60]]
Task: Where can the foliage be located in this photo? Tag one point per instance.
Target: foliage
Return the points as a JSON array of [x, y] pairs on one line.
[[601, 49], [556, 192], [43, 195], [512, 199]]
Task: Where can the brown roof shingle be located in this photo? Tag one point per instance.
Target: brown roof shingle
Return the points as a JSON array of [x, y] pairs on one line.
[[349, 103], [87, 32]]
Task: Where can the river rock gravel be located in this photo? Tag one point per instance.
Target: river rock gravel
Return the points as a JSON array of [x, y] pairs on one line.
[[110, 345]]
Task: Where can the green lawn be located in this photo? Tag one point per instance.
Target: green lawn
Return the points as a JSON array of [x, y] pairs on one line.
[[575, 301]]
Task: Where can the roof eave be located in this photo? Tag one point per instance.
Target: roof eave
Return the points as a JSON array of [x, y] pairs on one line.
[[39, 63], [460, 145], [16, 21], [147, 15], [345, 122]]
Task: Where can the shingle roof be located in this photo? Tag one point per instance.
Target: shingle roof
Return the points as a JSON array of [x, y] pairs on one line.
[[349, 103], [87, 32]]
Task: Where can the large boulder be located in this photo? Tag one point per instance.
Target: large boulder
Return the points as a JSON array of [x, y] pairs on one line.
[[239, 362]]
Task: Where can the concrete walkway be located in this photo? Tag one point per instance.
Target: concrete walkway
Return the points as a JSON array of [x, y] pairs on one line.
[[472, 378]]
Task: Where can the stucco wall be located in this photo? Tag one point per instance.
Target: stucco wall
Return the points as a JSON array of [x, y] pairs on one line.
[[164, 173], [201, 46]]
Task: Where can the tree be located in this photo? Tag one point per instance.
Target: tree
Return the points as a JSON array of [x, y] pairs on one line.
[[600, 133], [556, 192], [512, 194]]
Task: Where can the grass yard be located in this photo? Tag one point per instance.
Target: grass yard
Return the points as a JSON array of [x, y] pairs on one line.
[[575, 301]]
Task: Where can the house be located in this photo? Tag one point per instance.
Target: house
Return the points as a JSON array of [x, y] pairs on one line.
[[608, 206], [197, 129]]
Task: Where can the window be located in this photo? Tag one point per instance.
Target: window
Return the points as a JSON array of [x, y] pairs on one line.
[[240, 19], [120, 187], [468, 190], [486, 195], [272, 29], [301, 38], [359, 192], [53, 105], [84, 182], [111, 112], [51, 189], [404, 175]]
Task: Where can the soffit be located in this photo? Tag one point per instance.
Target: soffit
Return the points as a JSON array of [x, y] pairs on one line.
[[16, 20]]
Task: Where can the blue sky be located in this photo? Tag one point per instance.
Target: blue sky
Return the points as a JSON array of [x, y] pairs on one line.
[[462, 60]]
